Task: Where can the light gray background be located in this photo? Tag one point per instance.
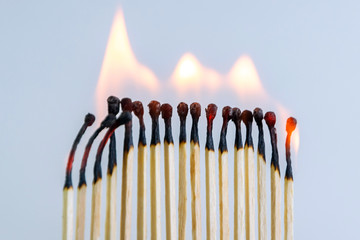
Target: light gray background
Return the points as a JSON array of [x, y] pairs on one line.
[[306, 54]]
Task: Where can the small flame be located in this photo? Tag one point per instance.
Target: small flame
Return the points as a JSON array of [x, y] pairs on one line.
[[296, 140], [120, 69]]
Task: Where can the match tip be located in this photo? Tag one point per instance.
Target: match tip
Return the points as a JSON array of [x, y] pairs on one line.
[[138, 109], [166, 111], [290, 125], [270, 119], [154, 109], [113, 105], [182, 110], [258, 115], [126, 104], [89, 119], [247, 117], [236, 115], [195, 110], [211, 111], [226, 113]]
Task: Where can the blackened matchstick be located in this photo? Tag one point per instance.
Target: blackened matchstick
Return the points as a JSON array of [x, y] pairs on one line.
[[182, 110], [210, 161], [142, 157], [127, 169], [261, 176], [247, 118], [223, 177], [96, 192], [289, 185], [270, 119], [155, 204], [169, 155], [195, 111], [68, 192], [239, 186], [113, 110]]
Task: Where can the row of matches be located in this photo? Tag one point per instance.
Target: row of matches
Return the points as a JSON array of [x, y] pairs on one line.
[[244, 176]]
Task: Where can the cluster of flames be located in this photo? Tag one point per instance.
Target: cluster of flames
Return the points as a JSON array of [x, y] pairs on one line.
[[121, 71]]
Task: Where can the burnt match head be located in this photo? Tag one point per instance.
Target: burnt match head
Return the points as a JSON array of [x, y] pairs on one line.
[[226, 113], [195, 110], [236, 115], [236, 118], [113, 105], [182, 110], [270, 119], [166, 111], [89, 119], [138, 109], [247, 117], [290, 125], [154, 109], [126, 105], [258, 115], [211, 112]]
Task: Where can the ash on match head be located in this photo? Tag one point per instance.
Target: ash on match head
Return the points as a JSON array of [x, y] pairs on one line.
[[236, 118], [113, 105], [210, 116]]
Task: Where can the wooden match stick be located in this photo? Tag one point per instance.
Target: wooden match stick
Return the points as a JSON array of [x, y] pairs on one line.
[[247, 118], [270, 119], [223, 177], [169, 155], [96, 192], [289, 185], [68, 192], [113, 109], [261, 176], [127, 169], [195, 111], [142, 157], [154, 110], [210, 161], [182, 110], [239, 186]]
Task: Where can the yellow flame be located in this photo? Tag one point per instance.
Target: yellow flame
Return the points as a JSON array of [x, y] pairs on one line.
[[120, 67], [296, 139]]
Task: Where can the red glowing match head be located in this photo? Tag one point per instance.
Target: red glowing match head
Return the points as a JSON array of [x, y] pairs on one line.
[[138, 109], [290, 125], [113, 105], [258, 115], [89, 119], [211, 111], [166, 111], [154, 109], [270, 119], [126, 104], [195, 110]]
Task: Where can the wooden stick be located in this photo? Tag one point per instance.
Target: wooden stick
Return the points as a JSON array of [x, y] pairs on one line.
[[195, 111], [239, 186], [210, 161], [247, 118], [68, 192], [270, 119], [142, 157], [261, 177], [127, 169], [154, 108], [182, 208], [289, 185], [223, 177], [96, 193], [169, 155]]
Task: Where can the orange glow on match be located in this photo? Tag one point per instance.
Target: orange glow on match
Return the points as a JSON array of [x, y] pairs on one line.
[[296, 140]]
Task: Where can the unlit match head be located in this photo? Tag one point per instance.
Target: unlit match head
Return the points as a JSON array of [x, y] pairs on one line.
[[126, 105], [154, 109], [258, 116], [247, 117], [89, 119], [113, 105], [182, 110], [290, 125], [211, 112], [138, 109], [270, 119], [195, 110], [166, 111]]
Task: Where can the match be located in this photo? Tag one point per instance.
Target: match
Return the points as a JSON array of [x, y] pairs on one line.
[[127, 169], [289, 184], [239, 186], [142, 157], [182, 110], [113, 110], [154, 110], [210, 174], [223, 177], [270, 119], [96, 192], [195, 111], [261, 176], [68, 191], [169, 155], [247, 118]]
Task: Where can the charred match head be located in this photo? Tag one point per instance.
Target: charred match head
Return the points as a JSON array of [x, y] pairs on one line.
[[195, 111], [270, 119], [89, 119], [154, 110], [247, 118], [236, 118], [226, 114], [138, 110], [258, 116], [166, 113], [210, 116], [113, 105], [182, 110], [290, 127], [126, 105]]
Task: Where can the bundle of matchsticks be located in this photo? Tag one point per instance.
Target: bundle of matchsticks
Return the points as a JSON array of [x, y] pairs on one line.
[[243, 186]]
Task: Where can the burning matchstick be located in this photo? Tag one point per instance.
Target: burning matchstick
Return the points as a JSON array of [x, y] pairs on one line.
[[210, 174], [289, 185]]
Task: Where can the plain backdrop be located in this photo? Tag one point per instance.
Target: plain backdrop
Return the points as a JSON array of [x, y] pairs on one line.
[[306, 54]]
